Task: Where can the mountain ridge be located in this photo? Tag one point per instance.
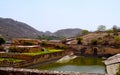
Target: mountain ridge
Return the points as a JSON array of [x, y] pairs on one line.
[[10, 28]]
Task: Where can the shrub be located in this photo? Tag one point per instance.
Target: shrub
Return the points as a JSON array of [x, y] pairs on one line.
[[117, 41], [109, 31], [94, 41], [79, 40], [84, 32], [2, 40], [117, 38], [44, 43]]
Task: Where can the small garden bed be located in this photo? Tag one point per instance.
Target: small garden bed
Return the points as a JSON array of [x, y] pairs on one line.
[[43, 52]]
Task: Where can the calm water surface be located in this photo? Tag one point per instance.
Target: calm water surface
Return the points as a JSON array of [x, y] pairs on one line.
[[79, 64]]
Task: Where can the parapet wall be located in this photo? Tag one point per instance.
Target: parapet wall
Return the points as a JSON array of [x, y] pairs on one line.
[[21, 71]]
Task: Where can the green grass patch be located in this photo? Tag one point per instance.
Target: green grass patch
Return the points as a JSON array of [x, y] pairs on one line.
[[10, 60], [43, 52]]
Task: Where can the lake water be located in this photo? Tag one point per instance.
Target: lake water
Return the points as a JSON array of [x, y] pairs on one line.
[[79, 64]]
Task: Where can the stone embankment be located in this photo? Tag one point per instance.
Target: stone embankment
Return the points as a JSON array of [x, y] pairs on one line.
[[30, 60], [21, 71]]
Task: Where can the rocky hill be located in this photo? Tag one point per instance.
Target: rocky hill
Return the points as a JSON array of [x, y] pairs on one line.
[[87, 38], [10, 28], [68, 32]]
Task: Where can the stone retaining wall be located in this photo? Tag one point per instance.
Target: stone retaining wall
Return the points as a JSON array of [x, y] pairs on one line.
[[20, 71], [15, 55], [43, 58], [30, 60]]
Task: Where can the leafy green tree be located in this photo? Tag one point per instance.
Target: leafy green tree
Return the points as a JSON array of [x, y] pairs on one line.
[[2, 40], [101, 28], [84, 32]]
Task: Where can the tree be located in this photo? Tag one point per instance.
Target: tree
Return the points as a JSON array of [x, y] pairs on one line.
[[101, 28], [2, 40], [115, 29], [85, 32]]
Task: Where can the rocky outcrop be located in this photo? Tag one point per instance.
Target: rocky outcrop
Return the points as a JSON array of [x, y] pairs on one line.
[[112, 64]]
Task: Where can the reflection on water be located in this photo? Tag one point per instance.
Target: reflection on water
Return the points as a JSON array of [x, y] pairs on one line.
[[79, 64]]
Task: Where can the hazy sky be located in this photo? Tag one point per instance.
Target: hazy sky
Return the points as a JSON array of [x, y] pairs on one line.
[[51, 15]]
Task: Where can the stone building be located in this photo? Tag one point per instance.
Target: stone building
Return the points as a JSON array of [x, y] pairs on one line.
[[112, 64]]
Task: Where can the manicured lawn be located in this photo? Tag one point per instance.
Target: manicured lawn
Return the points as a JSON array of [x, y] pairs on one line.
[[10, 60], [43, 52]]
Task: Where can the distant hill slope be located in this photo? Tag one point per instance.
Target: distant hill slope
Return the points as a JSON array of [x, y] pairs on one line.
[[10, 28], [68, 32]]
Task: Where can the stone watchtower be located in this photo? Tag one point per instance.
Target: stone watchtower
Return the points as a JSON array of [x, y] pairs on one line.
[[113, 64]]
